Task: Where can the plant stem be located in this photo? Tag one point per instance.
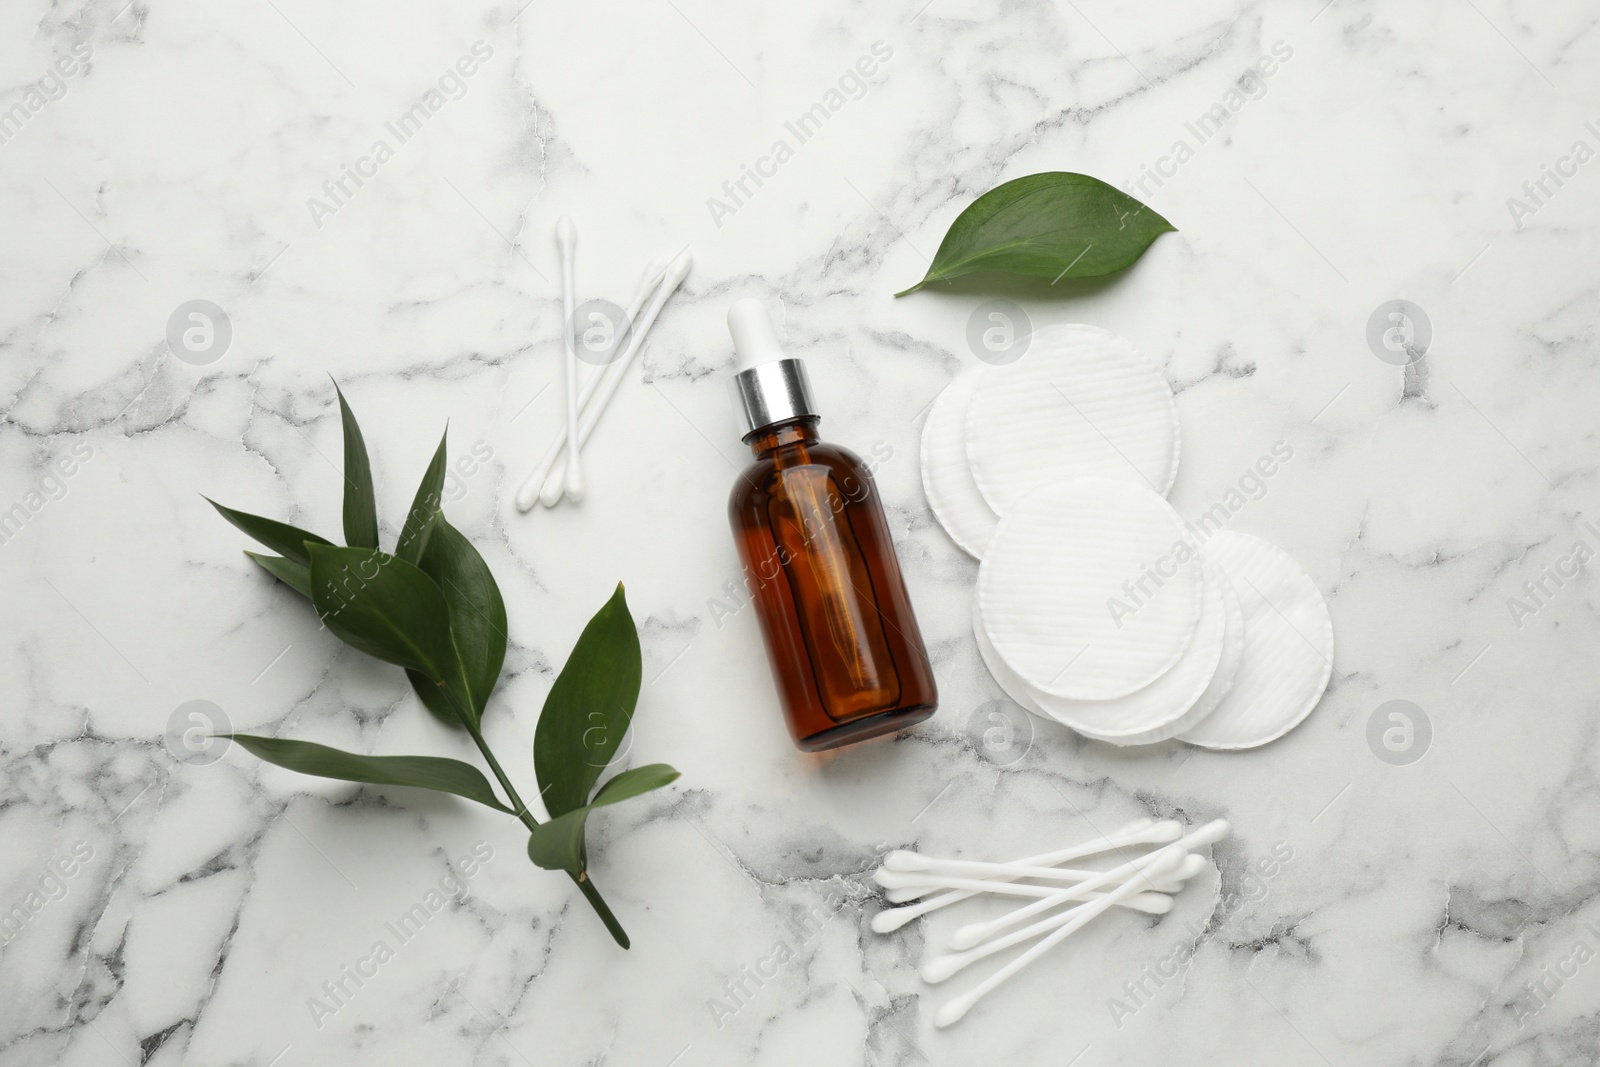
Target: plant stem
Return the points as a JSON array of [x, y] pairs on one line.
[[521, 811], [590, 893], [601, 909]]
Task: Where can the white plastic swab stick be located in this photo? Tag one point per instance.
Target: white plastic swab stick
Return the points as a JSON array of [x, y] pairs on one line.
[[938, 883], [888, 921], [917, 892], [1133, 872], [996, 885], [978, 869], [567, 239], [529, 492], [614, 374], [901, 879], [1154, 900], [1080, 917], [1015, 889]]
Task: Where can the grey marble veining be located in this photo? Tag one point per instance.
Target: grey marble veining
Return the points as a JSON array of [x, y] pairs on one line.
[[1368, 911]]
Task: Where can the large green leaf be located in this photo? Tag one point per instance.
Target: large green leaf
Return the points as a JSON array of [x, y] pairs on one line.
[[286, 571], [442, 701], [558, 845], [1053, 225], [287, 541], [360, 504], [385, 607], [588, 709], [477, 617], [424, 772], [424, 511]]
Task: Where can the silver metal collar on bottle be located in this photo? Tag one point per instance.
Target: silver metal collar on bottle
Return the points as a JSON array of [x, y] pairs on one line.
[[770, 393]]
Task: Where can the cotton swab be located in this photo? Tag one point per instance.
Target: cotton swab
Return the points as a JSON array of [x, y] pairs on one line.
[[567, 240], [676, 272], [892, 878], [888, 921], [1169, 859], [1130, 873], [939, 968], [1133, 872], [1193, 866], [1156, 901], [529, 492]]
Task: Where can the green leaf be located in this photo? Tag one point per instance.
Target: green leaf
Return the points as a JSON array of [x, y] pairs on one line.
[[634, 782], [588, 709], [287, 571], [558, 845], [423, 772], [1054, 225], [385, 607], [477, 611], [287, 541], [442, 701], [360, 506], [424, 509]]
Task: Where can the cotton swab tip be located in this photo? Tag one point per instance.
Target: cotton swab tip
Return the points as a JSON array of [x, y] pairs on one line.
[[566, 232], [937, 970], [1210, 833], [887, 922], [678, 269], [653, 271], [574, 483], [953, 1011], [1152, 903], [969, 935]]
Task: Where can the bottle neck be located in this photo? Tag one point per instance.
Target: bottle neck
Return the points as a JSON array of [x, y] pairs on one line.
[[768, 439]]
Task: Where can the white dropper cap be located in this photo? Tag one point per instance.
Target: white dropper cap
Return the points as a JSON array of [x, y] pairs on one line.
[[755, 339], [771, 387]]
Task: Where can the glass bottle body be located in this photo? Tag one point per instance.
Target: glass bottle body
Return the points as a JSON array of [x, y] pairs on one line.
[[821, 570]]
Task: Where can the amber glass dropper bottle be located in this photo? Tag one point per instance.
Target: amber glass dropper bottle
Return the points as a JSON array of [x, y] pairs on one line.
[[819, 563]]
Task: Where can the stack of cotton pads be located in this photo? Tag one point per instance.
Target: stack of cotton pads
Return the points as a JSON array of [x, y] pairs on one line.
[[1097, 605]]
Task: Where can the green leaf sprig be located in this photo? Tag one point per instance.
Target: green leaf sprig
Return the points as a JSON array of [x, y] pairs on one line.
[[433, 607], [1053, 225]]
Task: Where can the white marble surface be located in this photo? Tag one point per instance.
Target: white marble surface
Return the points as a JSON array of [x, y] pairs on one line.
[[1417, 903]]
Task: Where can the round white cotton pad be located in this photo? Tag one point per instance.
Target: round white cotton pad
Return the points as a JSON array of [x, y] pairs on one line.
[[1088, 589], [1232, 650], [1167, 706], [946, 478], [1014, 687], [1288, 646], [1080, 401]]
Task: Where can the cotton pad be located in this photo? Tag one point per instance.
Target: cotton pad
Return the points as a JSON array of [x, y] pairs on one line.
[[946, 478], [1288, 646], [1081, 401], [1088, 589], [1170, 704], [1232, 650], [1014, 687]]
